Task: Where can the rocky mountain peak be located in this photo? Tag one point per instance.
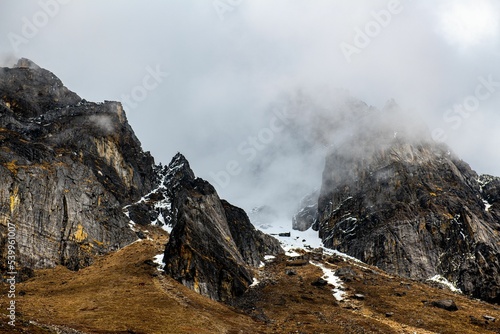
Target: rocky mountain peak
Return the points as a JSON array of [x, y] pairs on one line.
[[414, 209], [27, 63], [212, 245], [67, 167], [30, 91], [179, 169]]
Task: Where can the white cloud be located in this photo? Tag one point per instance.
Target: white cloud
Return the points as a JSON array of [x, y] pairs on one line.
[[224, 74], [468, 23]]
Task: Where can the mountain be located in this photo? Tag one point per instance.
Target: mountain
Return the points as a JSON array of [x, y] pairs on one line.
[[76, 183], [213, 248], [393, 198], [67, 167], [124, 292]]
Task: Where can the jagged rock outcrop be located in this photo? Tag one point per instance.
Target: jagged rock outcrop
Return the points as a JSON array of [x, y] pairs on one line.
[[412, 208], [212, 244], [67, 167]]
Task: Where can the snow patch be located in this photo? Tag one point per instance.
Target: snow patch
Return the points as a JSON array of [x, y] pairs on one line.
[[487, 205], [329, 276], [168, 228], [159, 260], [440, 279], [292, 253], [301, 240], [297, 240], [131, 224], [255, 283]]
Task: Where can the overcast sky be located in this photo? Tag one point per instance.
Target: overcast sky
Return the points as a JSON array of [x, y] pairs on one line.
[[229, 60]]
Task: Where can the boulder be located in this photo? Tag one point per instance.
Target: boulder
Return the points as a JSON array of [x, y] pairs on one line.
[[445, 304]]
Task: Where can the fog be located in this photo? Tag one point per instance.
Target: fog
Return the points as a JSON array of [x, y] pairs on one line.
[[231, 83]]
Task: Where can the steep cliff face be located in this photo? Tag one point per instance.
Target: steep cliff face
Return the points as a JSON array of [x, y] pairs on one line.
[[212, 244], [412, 208], [67, 167]]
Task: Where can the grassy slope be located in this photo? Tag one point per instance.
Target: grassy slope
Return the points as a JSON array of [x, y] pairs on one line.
[[120, 293]]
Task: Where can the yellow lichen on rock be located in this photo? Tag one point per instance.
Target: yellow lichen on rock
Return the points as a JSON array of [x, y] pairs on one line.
[[80, 235], [98, 243], [196, 286], [118, 108], [12, 166], [14, 199]]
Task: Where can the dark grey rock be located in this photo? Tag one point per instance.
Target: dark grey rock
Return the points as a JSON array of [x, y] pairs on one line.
[[319, 282], [141, 213], [347, 274], [252, 244], [212, 244], [306, 217], [445, 304], [359, 296]]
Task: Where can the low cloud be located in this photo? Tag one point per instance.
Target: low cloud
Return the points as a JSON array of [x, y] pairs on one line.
[[7, 59]]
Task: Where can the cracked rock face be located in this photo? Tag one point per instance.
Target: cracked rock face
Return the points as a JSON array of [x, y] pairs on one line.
[[413, 209], [67, 167], [212, 245]]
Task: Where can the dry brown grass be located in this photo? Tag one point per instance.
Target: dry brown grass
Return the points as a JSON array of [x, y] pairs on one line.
[[295, 306], [120, 293]]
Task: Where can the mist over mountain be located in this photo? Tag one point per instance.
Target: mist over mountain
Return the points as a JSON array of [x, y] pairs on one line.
[[285, 160], [249, 166]]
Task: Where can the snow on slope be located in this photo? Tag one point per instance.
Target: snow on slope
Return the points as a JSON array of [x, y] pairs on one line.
[[307, 240], [158, 259], [440, 279], [331, 278]]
